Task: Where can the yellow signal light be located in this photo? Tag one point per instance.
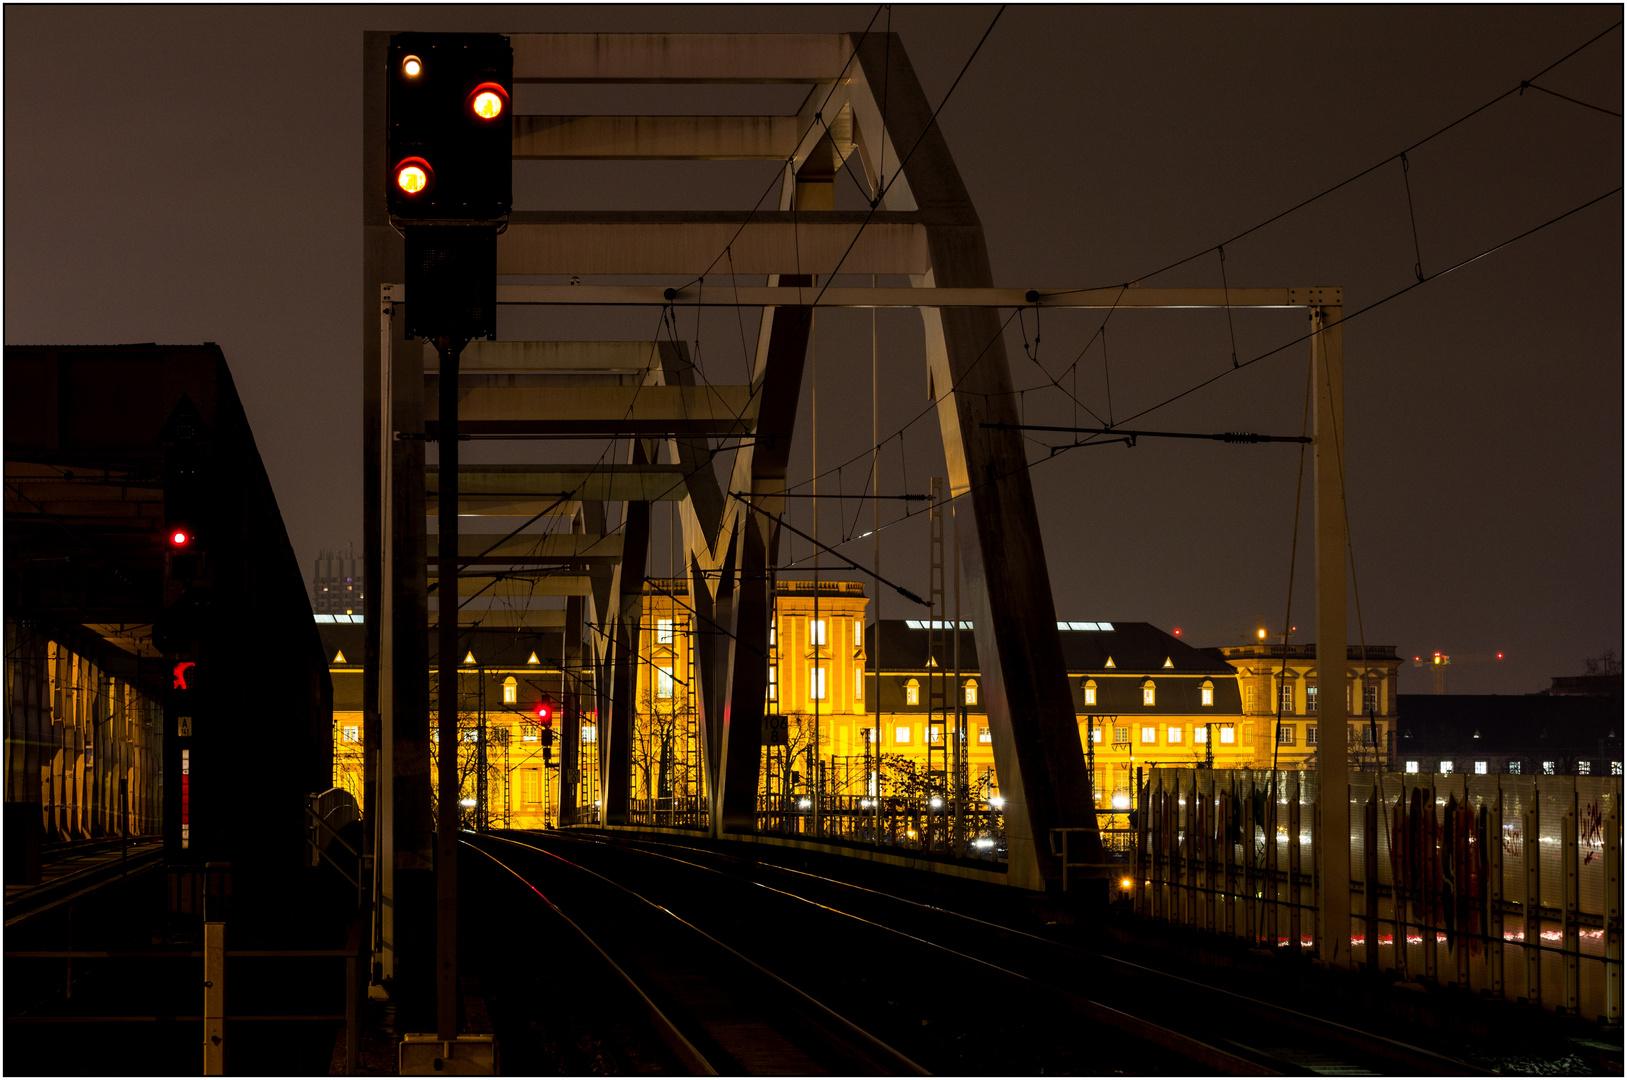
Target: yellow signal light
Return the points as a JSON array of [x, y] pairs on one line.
[[412, 67]]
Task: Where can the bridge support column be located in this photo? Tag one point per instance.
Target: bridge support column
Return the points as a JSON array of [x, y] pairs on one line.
[[1332, 776]]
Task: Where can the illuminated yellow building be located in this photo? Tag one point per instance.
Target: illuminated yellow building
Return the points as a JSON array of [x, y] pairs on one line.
[[1142, 697], [501, 682], [1269, 679], [666, 784]]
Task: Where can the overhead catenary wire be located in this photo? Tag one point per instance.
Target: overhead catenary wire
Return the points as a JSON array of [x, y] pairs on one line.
[[1437, 133], [1286, 345]]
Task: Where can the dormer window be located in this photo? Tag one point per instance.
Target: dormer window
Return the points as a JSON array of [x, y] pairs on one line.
[[1110, 663], [511, 691], [1208, 692], [1168, 663], [1090, 692], [912, 693], [971, 691], [1148, 693]]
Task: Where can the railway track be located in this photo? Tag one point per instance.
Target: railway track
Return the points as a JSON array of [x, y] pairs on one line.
[[718, 1012], [1210, 1027], [916, 1004], [77, 867]]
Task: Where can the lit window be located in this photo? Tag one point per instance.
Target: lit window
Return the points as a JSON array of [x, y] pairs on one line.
[[1514, 768], [773, 683], [858, 682], [590, 733], [1412, 766], [663, 631], [901, 734], [663, 683], [985, 734], [1248, 699], [470, 735], [1208, 693], [971, 691], [1096, 734], [1121, 735], [352, 733], [912, 693], [530, 733], [1090, 691], [1200, 735], [868, 735], [1148, 697], [530, 785], [934, 734], [1615, 768], [1584, 768], [1285, 735], [1310, 698], [1287, 697], [1310, 734], [1369, 698], [816, 680], [771, 634], [1480, 768], [816, 631], [1228, 735], [1446, 768], [1175, 735], [1149, 735], [511, 691], [1547, 768], [858, 633]]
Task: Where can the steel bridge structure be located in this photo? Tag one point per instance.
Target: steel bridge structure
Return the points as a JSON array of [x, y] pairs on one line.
[[922, 227]]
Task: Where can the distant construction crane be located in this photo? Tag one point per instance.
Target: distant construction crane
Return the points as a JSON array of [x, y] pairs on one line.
[[1441, 661]]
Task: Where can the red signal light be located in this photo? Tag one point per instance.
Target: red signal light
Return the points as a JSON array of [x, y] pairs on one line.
[[1177, 631], [414, 176], [545, 712], [488, 102], [180, 538]]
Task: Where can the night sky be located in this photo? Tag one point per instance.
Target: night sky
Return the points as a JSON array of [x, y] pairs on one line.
[[188, 174]]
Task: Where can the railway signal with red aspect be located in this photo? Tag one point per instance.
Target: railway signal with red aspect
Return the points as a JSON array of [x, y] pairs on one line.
[[451, 127]]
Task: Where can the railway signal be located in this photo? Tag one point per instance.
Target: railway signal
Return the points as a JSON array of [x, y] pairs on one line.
[[451, 125]]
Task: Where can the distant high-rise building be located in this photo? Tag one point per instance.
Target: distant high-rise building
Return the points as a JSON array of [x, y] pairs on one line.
[[337, 588]]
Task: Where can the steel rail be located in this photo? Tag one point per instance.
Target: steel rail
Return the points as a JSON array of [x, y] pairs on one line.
[[879, 1054], [1403, 1054], [1157, 1034], [674, 1038]]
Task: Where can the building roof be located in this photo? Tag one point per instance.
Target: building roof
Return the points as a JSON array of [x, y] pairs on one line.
[[1135, 648], [1517, 725]]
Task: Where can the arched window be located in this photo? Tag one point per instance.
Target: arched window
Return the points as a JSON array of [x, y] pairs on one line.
[[511, 691], [971, 691], [1148, 695], [1090, 692], [912, 693], [1208, 690]]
